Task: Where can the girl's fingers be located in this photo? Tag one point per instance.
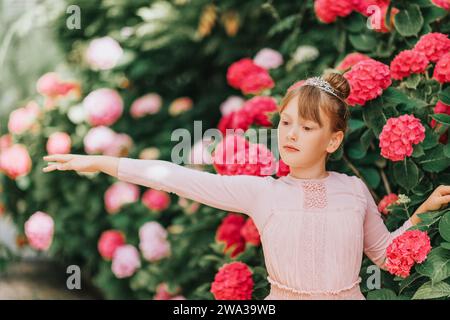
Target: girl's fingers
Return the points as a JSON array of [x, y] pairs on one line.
[[444, 199], [50, 168], [58, 157]]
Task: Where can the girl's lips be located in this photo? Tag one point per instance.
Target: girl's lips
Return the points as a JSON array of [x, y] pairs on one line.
[[290, 149]]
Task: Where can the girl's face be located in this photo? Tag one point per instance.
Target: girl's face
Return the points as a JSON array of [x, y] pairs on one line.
[[311, 142]]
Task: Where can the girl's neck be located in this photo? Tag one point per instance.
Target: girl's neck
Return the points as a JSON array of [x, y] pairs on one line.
[[315, 172]]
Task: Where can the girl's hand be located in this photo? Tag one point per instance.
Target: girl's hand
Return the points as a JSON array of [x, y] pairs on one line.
[[438, 199], [80, 163]]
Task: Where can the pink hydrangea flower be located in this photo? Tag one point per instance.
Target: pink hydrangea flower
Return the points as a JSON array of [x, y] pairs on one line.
[[39, 230], [368, 79], [22, 119], [98, 139], [410, 247], [232, 103], [156, 200], [15, 161], [444, 4], [108, 243], [119, 194], [180, 105], [58, 143], [6, 141], [442, 69], [433, 45], [257, 82], [103, 107], [407, 63], [103, 53], [234, 155], [148, 104], [250, 233], [383, 205], [268, 58], [125, 261], [120, 146], [350, 60], [398, 135], [153, 241], [162, 293], [50, 85], [328, 10]]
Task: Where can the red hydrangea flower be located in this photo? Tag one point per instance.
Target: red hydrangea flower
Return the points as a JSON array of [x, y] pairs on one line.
[[283, 169], [229, 232], [368, 79], [258, 109], [442, 69], [328, 10], [383, 205], [433, 45], [408, 62], [444, 4], [350, 60], [410, 247], [250, 233], [239, 119], [234, 155], [256, 82], [398, 135], [248, 77], [441, 107], [233, 281], [109, 241]]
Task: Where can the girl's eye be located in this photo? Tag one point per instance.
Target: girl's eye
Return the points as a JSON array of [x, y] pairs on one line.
[[284, 122], [307, 128]]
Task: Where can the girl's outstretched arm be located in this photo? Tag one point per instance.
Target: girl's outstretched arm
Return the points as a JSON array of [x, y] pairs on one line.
[[231, 193]]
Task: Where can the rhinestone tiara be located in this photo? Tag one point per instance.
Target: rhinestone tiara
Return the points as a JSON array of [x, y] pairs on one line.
[[321, 84]]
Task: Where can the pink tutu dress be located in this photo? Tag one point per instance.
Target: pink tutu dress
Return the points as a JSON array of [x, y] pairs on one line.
[[313, 231]]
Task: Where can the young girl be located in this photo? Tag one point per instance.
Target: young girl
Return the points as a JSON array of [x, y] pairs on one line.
[[314, 224]]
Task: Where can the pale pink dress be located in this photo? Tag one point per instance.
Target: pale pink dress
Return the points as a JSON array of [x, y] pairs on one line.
[[313, 231]]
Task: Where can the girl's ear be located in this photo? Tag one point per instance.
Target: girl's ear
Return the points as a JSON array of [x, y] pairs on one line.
[[335, 141]]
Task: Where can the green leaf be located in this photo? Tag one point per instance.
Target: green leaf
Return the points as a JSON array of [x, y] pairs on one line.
[[432, 14], [444, 96], [445, 245], [363, 41], [406, 173], [447, 150], [413, 81], [395, 96], [372, 177], [436, 266], [430, 291], [442, 118], [373, 116], [444, 226], [382, 294], [418, 151], [409, 21], [434, 160]]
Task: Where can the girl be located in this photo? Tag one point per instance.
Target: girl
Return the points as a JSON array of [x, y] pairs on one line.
[[314, 224]]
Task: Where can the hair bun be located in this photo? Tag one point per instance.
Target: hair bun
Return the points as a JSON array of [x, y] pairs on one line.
[[339, 84]]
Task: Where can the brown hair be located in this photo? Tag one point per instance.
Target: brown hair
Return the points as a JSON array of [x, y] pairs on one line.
[[311, 99]]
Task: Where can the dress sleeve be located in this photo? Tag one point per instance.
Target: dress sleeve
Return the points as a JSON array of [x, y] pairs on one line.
[[238, 193], [376, 235]]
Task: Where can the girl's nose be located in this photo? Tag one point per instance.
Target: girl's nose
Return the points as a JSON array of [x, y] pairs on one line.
[[292, 135]]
